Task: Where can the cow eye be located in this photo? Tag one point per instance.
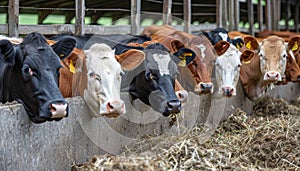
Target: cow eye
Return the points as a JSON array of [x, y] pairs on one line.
[[284, 56], [27, 70], [91, 74], [149, 75]]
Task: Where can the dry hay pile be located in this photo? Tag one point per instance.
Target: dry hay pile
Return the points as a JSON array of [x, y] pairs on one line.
[[266, 140]]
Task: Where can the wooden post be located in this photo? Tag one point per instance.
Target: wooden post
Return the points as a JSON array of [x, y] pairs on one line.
[[219, 10], [231, 16], [135, 16], [250, 17], [260, 15], [167, 12], [225, 14], [79, 17], [13, 18], [236, 14], [187, 16], [268, 14], [296, 18], [287, 16]]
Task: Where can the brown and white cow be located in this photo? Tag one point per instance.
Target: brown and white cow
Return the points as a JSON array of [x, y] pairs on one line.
[[198, 78], [266, 65], [95, 75]]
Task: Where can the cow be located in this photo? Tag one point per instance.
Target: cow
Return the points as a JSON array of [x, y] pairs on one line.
[[292, 72], [95, 74], [266, 65], [228, 62], [198, 76], [219, 34], [153, 81], [29, 75]]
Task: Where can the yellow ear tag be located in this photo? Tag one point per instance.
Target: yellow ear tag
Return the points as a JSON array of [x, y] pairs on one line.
[[182, 63], [248, 45], [238, 46], [72, 67], [295, 47], [61, 55]]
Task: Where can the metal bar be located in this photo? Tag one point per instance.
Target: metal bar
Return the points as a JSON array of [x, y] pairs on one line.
[[268, 14], [187, 16], [79, 17], [135, 16], [167, 12], [250, 17]]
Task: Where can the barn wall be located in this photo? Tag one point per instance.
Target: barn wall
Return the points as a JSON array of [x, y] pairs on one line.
[[57, 145]]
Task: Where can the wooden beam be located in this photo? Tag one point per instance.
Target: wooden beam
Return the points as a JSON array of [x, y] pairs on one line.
[[219, 11], [13, 18], [287, 16], [260, 15], [79, 17], [167, 7], [187, 16], [231, 17], [135, 16], [250, 17], [268, 15], [236, 14], [42, 15], [297, 17]]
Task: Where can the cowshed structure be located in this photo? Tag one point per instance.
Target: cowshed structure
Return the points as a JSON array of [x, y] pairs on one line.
[[188, 14]]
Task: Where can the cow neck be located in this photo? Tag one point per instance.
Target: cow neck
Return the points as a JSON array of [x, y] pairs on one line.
[[79, 83]]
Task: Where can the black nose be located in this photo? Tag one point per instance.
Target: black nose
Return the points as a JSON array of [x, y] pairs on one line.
[[206, 87], [172, 107]]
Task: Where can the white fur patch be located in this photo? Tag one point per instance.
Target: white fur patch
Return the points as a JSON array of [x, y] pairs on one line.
[[163, 63], [202, 49], [224, 36]]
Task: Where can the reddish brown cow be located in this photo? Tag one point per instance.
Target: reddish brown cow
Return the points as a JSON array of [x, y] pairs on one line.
[[198, 78], [285, 35]]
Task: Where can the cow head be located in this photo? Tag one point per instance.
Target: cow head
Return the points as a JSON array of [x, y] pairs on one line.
[[153, 80], [292, 67], [273, 56], [33, 78], [200, 69], [227, 68]]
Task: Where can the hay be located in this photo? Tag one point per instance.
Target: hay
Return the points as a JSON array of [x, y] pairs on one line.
[[266, 140]]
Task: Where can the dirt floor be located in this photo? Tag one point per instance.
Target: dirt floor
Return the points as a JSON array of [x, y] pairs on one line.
[[267, 139]]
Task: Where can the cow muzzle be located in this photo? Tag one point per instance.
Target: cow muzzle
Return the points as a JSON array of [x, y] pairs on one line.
[[228, 91], [58, 109], [204, 88], [172, 107], [114, 109], [272, 76]]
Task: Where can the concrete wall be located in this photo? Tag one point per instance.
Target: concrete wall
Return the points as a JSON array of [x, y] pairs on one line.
[[57, 145]]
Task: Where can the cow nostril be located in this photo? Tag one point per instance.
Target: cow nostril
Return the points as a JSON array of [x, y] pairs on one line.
[[298, 77], [202, 86], [110, 106]]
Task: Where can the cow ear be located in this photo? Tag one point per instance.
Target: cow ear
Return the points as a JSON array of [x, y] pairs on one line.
[[247, 56], [176, 45], [251, 43], [130, 59], [238, 42], [7, 51], [294, 44], [221, 47], [73, 61], [64, 47], [185, 56]]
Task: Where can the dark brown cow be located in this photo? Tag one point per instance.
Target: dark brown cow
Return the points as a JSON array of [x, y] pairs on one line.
[[198, 78]]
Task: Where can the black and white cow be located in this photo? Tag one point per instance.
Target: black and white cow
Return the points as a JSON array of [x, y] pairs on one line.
[[29, 74], [153, 80]]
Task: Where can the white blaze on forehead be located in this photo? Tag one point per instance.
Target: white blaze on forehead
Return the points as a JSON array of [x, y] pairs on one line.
[[202, 49], [224, 36], [163, 63]]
